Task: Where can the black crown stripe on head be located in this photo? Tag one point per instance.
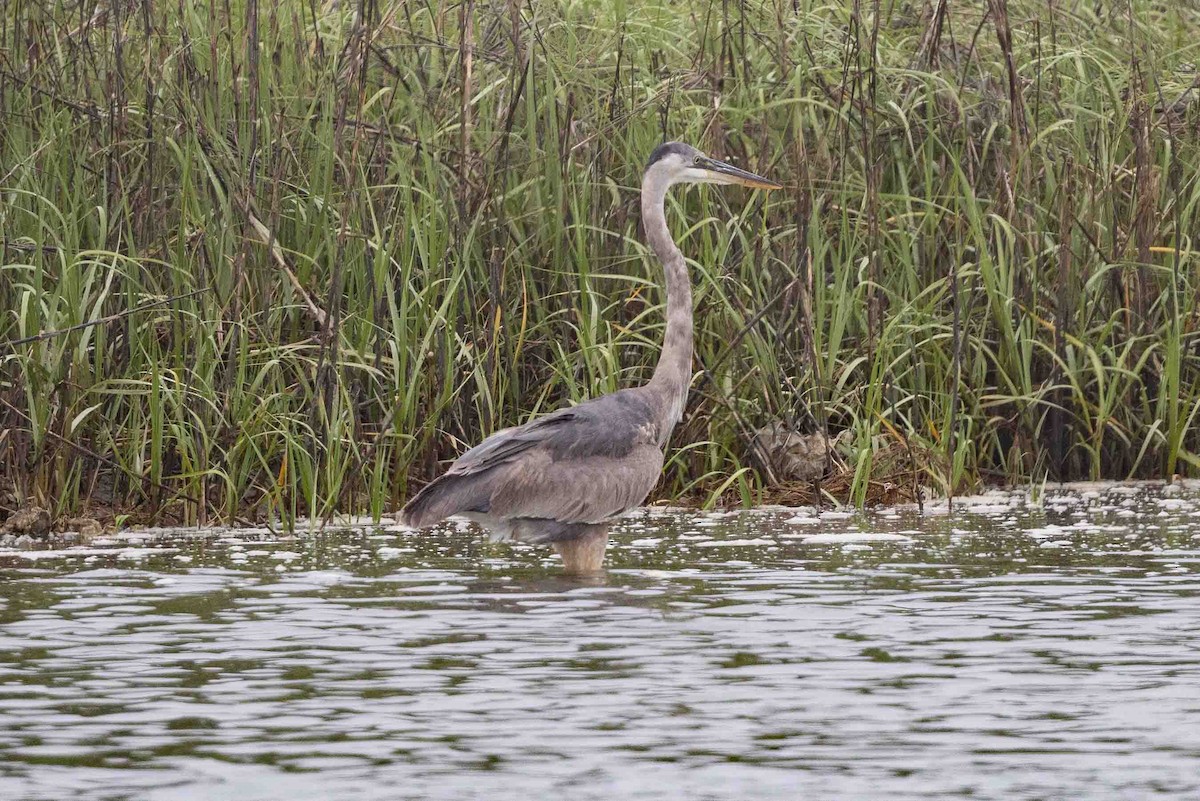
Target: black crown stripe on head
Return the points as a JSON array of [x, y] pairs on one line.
[[666, 149]]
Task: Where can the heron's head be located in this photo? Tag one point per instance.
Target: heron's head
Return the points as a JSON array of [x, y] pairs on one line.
[[676, 163]]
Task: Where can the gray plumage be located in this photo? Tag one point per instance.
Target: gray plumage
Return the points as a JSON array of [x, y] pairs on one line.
[[583, 465], [566, 476]]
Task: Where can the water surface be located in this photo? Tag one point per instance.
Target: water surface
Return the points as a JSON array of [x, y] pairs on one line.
[[1004, 650]]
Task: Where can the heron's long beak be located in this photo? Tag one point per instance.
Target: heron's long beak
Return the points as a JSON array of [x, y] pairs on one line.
[[734, 175]]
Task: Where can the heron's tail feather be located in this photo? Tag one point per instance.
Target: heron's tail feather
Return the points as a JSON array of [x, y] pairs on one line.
[[446, 495]]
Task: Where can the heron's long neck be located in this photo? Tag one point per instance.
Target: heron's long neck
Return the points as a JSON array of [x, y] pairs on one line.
[[674, 371]]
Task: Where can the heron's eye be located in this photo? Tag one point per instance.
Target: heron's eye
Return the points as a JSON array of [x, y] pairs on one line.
[[696, 160]]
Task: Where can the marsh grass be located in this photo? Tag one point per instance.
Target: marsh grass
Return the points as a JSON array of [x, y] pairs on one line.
[[283, 260]]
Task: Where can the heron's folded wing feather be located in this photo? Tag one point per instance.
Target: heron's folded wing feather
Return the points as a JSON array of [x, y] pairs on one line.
[[508, 443], [584, 464], [584, 489]]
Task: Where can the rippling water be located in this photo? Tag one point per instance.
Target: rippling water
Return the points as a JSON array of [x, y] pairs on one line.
[[1006, 650]]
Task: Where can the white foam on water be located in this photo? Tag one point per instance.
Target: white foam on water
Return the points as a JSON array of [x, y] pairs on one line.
[[846, 537], [34, 556]]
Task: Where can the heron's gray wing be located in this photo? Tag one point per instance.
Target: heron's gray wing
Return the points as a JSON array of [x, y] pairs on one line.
[[468, 484], [578, 489], [508, 443], [586, 464]]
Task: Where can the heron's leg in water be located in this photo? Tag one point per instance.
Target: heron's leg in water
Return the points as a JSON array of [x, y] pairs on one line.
[[584, 554]]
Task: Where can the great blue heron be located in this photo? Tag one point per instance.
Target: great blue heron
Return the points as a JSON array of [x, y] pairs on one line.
[[563, 478]]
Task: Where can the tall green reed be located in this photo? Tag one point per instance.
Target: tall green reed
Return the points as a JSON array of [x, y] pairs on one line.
[[331, 246]]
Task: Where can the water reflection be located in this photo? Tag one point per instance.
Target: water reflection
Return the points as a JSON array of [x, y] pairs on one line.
[[1005, 650]]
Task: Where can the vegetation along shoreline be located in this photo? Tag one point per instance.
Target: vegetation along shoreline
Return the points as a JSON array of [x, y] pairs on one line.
[[272, 263]]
